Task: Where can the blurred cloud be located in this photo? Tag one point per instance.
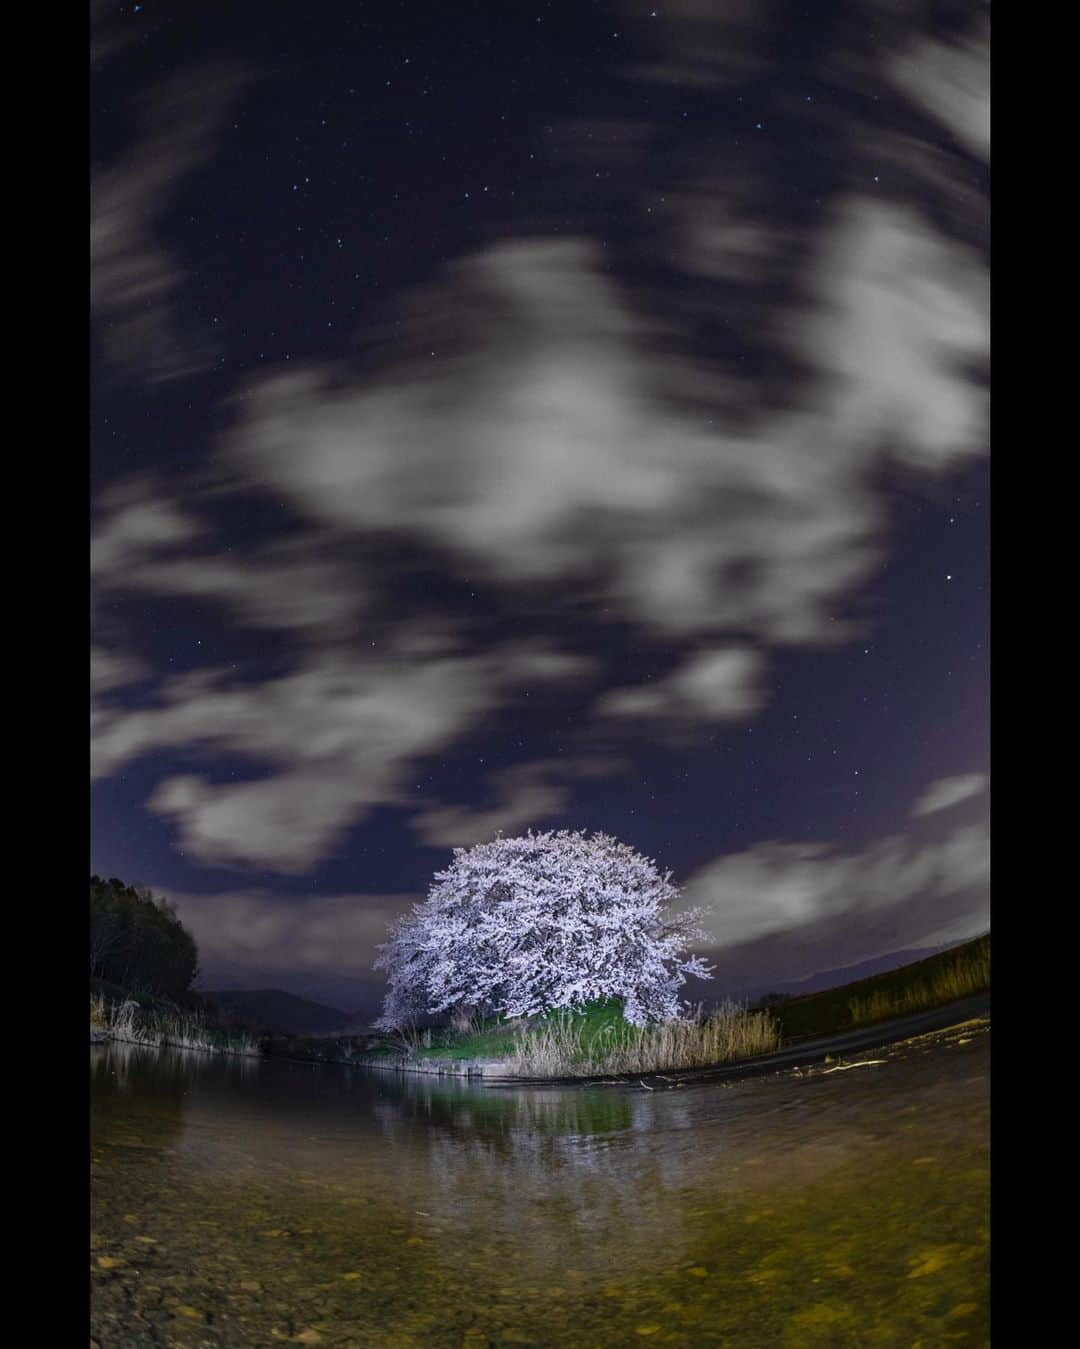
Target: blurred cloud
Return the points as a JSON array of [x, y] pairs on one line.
[[524, 800], [321, 940], [780, 910], [333, 738], [949, 792], [952, 80], [548, 422], [721, 685], [704, 43], [141, 518], [914, 883], [112, 670], [150, 541], [902, 311], [134, 275], [525, 795], [529, 433], [536, 447]]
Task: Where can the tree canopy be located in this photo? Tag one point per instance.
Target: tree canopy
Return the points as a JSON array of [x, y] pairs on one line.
[[550, 920], [137, 941]]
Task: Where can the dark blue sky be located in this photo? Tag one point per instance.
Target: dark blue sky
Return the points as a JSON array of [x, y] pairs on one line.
[[563, 416]]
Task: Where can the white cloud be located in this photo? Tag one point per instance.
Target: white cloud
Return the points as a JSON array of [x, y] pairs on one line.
[[948, 792], [336, 736], [952, 80], [526, 806], [541, 440], [534, 429], [140, 519], [112, 670], [152, 543], [711, 685], [901, 309], [526, 795], [326, 742], [775, 888], [791, 907], [319, 936], [537, 448], [331, 739]]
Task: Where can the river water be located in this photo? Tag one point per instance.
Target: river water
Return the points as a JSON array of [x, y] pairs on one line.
[[254, 1202]]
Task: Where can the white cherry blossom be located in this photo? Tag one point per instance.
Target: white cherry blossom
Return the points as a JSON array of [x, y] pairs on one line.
[[520, 926]]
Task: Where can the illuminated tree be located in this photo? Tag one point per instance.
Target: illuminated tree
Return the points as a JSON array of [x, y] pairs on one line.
[[523, 925]]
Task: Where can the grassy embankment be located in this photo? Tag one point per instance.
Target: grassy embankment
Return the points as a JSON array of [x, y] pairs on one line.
[[939, 979], [141, 1019], [598, 1041]]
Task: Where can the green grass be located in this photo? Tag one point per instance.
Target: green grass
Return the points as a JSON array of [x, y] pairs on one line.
[[933, 982], [494, 1041], [598, 1036], [596, 1040], [498, 1037]]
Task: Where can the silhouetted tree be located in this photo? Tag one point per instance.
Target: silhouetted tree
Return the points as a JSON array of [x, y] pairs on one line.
[[137, 941]]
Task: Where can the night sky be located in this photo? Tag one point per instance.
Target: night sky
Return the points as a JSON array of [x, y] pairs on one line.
[[541, 415]]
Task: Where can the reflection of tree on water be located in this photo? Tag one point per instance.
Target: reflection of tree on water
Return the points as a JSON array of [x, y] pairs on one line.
[[124, 1078], [119, 1062], [495, 1116], [559, 1168]]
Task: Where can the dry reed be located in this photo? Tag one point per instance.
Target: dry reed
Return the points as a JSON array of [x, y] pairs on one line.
[[561, 1047], [967, 975], [180, 1029]]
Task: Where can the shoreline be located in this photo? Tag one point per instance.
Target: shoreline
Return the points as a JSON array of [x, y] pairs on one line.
[[493, 1072], [104, 1037], [809, 1052]]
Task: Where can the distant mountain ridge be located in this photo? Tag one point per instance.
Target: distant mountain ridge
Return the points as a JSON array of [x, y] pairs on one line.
[[849, 974], [272, 1009]]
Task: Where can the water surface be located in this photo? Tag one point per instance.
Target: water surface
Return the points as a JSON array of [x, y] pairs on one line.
[[251, 1202]]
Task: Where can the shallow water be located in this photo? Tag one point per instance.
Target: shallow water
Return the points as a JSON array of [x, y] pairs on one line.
[[251, 1202]]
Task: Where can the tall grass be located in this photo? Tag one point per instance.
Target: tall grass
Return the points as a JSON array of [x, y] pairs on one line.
[[562, 1046], [157, 1027], [967, 974]]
